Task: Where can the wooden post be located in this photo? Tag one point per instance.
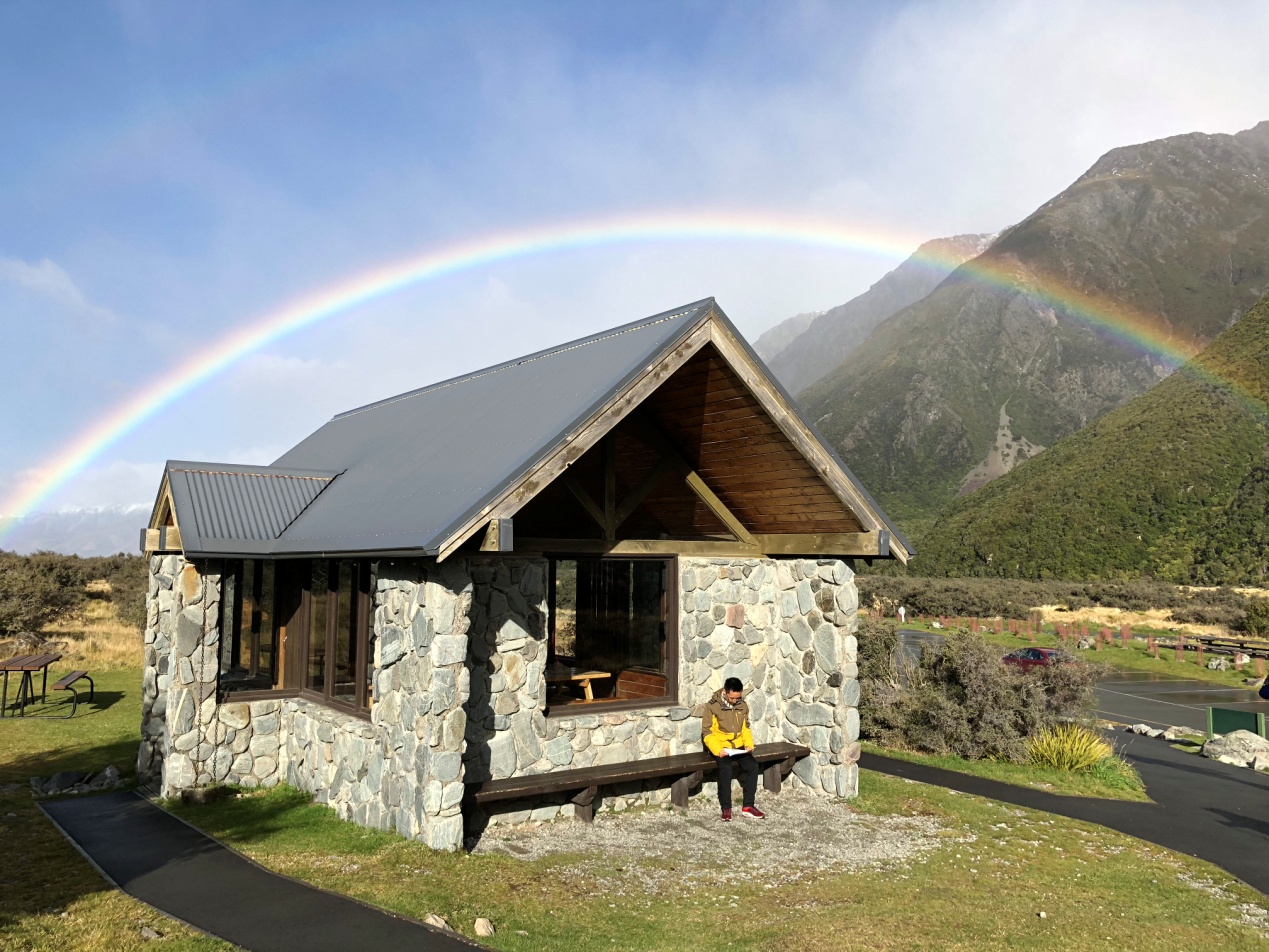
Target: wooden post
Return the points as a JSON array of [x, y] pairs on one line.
[[1105, 635], [998, 626], [584, 804], [1152, 645], [1260, 667], [1180, 648], [1097, 643], [1125, 635], [1199, 662]]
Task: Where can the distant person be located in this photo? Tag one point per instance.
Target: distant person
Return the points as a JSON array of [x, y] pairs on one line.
[[725, 734], [903, 614]]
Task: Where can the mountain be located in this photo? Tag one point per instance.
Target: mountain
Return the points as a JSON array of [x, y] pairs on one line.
[[1033, 339], [84, 532], [828, 338], [779, 337], [1174, 484]]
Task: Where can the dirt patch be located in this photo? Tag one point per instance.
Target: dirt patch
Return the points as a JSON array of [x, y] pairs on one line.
[[655, 851]]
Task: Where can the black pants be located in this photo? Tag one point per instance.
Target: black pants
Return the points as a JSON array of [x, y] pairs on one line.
[[748, 778]]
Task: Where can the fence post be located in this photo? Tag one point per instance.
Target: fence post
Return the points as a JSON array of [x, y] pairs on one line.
[[1125, 635], [1199, 662], [1180, 648], [1153, 647], [1260, 667]]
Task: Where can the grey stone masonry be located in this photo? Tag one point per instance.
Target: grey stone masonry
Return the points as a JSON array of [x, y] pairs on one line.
[[459, 690], [187, 740], [785, 627]]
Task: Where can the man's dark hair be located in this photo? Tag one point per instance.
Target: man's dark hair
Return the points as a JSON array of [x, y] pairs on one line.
[[733, 684]]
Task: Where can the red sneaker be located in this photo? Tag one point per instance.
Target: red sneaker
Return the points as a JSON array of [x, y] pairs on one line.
[[753, 813], [726, 816]]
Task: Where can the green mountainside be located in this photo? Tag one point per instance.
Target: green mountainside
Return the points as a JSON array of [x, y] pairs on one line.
[[955, 390], [1175, 484]]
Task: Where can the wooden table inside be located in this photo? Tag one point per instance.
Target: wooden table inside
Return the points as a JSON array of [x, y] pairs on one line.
[[584, 677]]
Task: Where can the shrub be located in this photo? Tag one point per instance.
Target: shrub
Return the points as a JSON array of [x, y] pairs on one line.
[[960, 699], [1256, 617], [1068, 747], [36, 589]]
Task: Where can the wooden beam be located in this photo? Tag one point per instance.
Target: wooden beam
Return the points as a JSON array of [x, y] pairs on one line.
[[844, 545], [499, 536], [609, 447], [589, 504], [720, 548], [162, 539], [583, 438], [640, 492], [791, 425]]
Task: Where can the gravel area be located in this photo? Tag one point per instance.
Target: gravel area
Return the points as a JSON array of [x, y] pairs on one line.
[[651, 850]]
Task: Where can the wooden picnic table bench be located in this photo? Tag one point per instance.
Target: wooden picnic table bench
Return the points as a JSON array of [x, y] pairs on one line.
[[65, 683], [26, 665], [687, 769]]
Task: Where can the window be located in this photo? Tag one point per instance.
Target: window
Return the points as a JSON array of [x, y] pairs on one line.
[[339, 655], [300, 626], [611, 639], [248, 646]]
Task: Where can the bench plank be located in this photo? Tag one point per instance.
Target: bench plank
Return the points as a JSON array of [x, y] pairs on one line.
[[65, 682], [680, 766]]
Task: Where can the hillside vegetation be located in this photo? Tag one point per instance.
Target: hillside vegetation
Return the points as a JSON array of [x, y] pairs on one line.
[[984, 373], [1175, 485]]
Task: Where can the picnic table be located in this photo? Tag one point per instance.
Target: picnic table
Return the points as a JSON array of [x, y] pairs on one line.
[[26, 665], [583, 677]]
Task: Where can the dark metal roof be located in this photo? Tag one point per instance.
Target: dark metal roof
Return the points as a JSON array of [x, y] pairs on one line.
[[226, 509], [416, 466]]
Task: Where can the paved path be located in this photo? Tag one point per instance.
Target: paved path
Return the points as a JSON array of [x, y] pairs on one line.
[[1160, 700], [1203, 808], [166, 863]]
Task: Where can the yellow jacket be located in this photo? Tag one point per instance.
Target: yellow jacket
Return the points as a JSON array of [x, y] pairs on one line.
[[721, 727]]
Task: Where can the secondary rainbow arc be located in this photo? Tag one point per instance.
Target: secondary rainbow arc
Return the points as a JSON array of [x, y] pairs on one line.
[[1138, 330]]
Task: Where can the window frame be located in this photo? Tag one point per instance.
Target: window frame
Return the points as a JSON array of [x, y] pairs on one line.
[[670, 645], [363, 594], [292, 636]]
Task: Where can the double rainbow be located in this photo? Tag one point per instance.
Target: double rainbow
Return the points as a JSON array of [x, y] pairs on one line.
[[1138, 330]]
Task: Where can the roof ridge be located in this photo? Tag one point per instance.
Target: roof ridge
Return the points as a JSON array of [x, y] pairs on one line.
[[530, 358], [229, 472]]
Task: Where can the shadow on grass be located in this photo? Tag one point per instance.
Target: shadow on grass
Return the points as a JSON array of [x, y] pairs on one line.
[[61, 705], [89, 757]]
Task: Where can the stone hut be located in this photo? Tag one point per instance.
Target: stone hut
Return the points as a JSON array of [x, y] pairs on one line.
[[538, 567]]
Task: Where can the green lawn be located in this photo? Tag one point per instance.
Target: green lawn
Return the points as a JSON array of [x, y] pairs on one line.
[[982, 888], [1067, 782], [52, 898]]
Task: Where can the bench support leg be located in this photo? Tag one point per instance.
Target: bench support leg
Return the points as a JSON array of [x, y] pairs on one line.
[[682, 788], [584, 804], [771, 778]]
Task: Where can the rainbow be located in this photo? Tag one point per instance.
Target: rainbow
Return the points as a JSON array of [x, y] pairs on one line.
[[1138, 330]]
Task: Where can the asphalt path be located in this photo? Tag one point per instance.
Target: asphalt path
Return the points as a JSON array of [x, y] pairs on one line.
[[163, 861]]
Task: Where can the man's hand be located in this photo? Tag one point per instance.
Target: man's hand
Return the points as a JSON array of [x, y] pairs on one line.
[[749, 747]]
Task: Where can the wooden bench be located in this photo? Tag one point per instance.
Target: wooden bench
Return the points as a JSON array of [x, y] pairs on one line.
[[687, 769], [65, 684]]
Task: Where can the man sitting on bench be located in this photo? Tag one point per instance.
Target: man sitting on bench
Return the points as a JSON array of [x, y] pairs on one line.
[[725, 734]]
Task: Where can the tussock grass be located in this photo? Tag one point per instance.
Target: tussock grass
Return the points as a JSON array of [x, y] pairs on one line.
[[94, 637], [1068, 747]]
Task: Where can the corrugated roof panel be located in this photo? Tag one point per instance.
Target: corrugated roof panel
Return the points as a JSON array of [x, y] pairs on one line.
[[415, 465], [218, 504]]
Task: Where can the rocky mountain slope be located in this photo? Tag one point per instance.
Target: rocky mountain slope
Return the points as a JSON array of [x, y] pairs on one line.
[[1021, 346], [828, 338], [1174, 484]]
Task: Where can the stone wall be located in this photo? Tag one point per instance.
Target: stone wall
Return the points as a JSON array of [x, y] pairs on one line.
[[459, 687], [786, 628], [187, 740]]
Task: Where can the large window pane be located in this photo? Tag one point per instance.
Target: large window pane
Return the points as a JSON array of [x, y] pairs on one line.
[[315, 675], [247, 636], [344, 685], [608, 631]]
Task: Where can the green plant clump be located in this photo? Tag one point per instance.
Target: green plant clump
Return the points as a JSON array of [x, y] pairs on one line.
[[1068, 747], [960, 699]]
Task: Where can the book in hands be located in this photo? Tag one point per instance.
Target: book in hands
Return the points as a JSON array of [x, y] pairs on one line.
[[734, 751]]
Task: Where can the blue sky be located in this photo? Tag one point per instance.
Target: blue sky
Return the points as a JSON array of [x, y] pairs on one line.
[[170, 171]]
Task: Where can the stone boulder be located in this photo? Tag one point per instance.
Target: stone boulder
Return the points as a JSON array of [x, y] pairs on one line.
[[1239, 748]]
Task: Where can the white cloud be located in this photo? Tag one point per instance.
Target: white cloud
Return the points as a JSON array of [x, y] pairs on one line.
[[51, 281]]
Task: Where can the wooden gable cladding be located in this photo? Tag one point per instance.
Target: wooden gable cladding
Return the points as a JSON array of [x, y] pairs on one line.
[[714, 421], [699, 460]]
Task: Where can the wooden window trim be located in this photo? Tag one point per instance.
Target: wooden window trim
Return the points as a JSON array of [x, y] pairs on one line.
[[670, 647]]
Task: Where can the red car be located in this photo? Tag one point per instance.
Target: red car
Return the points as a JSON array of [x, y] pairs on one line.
[[1028, 658]]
